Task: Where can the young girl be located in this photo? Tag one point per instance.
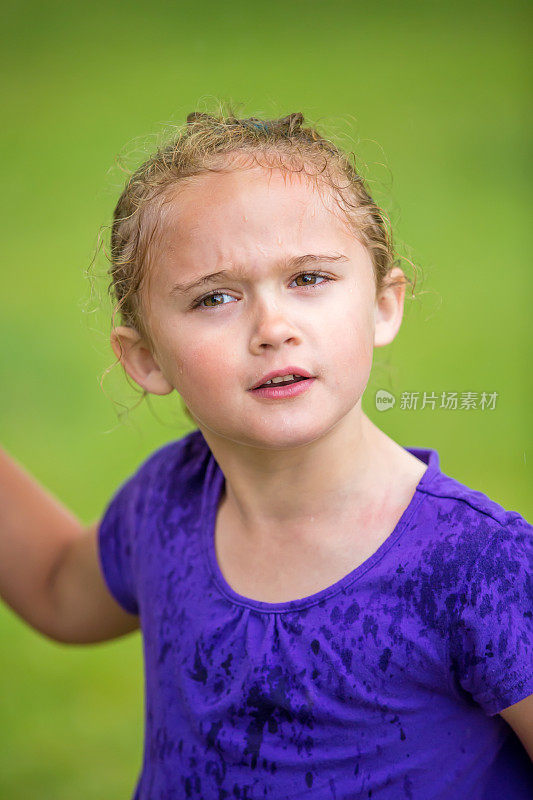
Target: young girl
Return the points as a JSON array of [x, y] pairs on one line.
[[324, 612]]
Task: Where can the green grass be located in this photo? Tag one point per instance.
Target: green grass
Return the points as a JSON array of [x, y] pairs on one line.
[[433, 97]]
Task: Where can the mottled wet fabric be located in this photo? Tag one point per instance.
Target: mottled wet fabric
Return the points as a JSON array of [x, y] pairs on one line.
[[385, 685]]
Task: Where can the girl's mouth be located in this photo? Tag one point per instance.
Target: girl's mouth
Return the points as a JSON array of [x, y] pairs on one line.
[[279, 391]]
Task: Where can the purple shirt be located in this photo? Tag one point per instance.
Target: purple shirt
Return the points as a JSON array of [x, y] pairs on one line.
[[386, 685]]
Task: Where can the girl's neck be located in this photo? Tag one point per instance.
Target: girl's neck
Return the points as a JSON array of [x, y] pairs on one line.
[[346, 474]]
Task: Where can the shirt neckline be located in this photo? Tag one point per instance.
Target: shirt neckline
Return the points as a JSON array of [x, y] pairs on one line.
[[212, 491]]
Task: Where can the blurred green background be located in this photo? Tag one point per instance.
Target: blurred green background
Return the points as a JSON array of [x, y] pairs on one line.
[[434, 98]]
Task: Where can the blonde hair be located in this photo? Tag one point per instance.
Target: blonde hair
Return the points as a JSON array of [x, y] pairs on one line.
[[210, 143]]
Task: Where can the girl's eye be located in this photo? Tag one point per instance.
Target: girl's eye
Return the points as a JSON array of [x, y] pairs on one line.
[[215, 295], [312, 275], [212, 296]]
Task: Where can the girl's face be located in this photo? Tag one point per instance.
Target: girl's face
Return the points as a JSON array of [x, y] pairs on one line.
[[215, 341]]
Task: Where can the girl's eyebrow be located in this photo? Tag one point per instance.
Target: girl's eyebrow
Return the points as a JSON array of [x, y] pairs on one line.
[[292, 263]]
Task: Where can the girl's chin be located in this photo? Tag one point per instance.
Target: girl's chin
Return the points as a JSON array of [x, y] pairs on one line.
[[277, 436]]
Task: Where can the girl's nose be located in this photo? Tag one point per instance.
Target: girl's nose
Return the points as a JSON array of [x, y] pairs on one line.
[[272, 328]]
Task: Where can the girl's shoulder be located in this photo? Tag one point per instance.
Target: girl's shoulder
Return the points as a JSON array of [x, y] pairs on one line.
[[467, 565], [464, 537], [174, 472], [180, 459], [459, 508], [479, 568]]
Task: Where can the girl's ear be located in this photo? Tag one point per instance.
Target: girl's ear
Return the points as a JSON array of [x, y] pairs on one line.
[[388, 311], [136, 357]]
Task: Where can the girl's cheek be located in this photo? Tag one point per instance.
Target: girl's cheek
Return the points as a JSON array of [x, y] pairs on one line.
[[358, 331], [208, 365]]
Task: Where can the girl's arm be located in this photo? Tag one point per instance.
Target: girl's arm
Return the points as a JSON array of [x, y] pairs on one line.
[[520, 718], [49, 568]]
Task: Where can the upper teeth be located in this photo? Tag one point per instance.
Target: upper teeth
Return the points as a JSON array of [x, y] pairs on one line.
[[282, 378]]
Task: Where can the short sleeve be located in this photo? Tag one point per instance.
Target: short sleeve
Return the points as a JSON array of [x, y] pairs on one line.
[[491, 635], [117, 542]]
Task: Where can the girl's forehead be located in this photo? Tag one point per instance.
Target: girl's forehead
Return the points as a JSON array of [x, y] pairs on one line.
[[247, 208]]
